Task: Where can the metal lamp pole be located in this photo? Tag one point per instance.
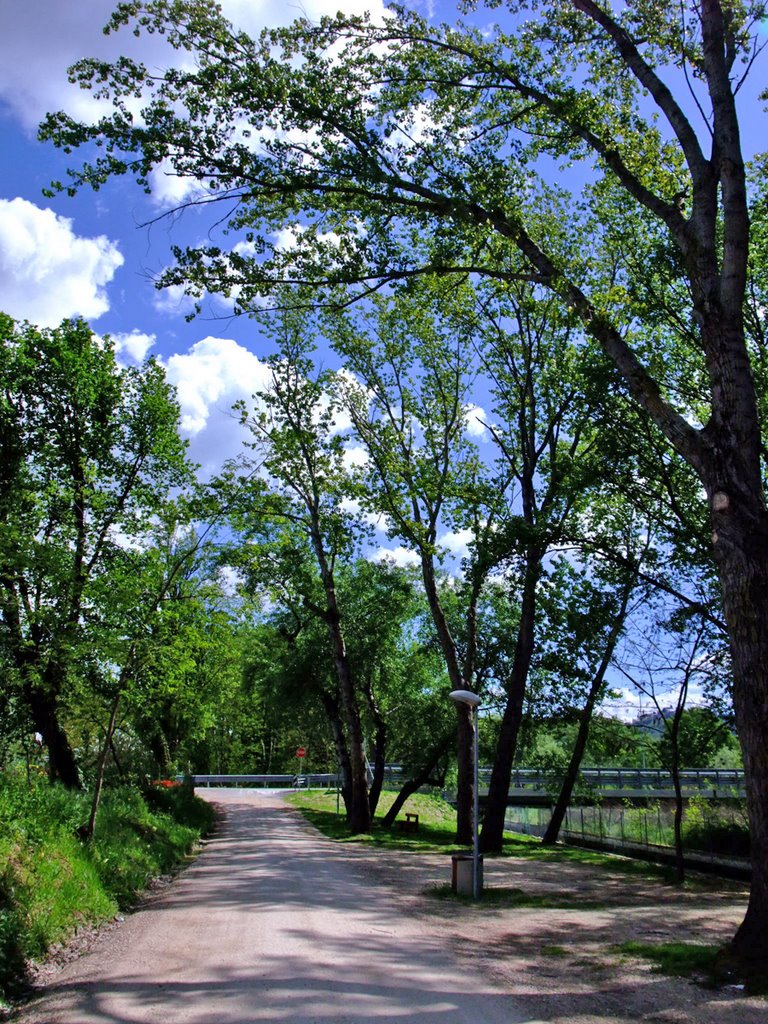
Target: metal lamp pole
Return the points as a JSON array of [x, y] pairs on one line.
[[472, 701]]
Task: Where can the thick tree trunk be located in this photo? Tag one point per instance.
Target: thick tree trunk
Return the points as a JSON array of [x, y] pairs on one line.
[[331, 706], [358, 811], [62, 764], [741, 546]]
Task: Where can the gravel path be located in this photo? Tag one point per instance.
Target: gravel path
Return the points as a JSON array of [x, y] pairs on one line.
[[271, 923]]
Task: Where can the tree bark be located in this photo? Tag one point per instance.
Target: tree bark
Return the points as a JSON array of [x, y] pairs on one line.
[[465, 774], [741, 547], [358, 810], [331, 706], [379, 748], [62, 764]]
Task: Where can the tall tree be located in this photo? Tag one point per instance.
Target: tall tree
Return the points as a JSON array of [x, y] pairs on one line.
[[302, 455], [412, 128]]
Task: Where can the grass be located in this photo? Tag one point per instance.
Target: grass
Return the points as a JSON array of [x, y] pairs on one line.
[[51, 883], [437, 822], [710, 965], [679, 959], [437, 833]]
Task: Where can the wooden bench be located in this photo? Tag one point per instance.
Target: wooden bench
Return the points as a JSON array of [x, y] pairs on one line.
[[411, 823]]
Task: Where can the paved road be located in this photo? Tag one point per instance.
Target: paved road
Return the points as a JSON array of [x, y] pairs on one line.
[[271, 923]]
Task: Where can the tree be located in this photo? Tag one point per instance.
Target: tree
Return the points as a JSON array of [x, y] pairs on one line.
[[341, 107], [406, 387], [302, 456], [90, 454]]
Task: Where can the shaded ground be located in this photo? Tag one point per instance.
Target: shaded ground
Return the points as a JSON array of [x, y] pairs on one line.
[[273, 922]]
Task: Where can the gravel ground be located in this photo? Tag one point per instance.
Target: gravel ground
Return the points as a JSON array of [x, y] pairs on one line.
[[273, 922]]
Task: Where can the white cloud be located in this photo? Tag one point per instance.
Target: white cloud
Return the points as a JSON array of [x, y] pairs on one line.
[[173, 301], [456, 542], [135, 345], [171, 189], [399, 556], [47, 272], [209, 378], [355, 455], [475, 418]]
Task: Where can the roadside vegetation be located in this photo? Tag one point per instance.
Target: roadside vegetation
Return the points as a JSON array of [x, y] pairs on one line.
[[52, 883]]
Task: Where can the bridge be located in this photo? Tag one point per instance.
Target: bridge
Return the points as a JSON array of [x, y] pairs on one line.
[[532, 786]]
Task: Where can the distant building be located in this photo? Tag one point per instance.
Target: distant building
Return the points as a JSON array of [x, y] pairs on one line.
[[652, 721]]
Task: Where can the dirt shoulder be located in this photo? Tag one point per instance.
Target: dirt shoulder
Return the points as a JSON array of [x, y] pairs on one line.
[[559, 952]]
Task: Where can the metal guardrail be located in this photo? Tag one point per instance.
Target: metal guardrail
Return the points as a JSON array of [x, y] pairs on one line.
[[636, 779], [309, 781], [639, 780]]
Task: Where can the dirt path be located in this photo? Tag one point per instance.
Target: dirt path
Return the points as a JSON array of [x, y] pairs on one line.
[[274, 923], [271, 923]]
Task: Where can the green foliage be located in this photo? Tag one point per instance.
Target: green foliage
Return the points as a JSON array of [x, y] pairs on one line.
[[717, 826]]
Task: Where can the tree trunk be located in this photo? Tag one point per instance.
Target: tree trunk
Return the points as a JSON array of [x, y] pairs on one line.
[[88, 832], [741, 546], [465, 781], [331, 706], [379, 747], [585, 720], [62, 764], [358, 811], [492, 836], [422, 778]]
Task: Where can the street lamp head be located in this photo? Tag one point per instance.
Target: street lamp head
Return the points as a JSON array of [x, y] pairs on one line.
[[465, 697]]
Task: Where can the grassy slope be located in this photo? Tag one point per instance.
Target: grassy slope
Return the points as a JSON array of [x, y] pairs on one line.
[[51, 883]]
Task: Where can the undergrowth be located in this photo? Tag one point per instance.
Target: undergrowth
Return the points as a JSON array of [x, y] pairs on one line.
[[52, 883]]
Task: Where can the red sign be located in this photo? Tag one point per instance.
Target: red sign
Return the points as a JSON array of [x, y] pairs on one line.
[[301, 752]]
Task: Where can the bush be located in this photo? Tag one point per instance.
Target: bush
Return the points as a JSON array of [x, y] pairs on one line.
[[717, 826]]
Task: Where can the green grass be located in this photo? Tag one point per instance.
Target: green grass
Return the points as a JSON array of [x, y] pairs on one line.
[[437, 822], [437, 834], [710, 965], [679, 959], [51, 883]]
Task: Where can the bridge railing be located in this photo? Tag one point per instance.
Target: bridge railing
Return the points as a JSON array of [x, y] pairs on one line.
[[311, 780], [650, 779]]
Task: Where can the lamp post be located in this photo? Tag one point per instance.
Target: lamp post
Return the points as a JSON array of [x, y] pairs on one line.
[[472, 701]]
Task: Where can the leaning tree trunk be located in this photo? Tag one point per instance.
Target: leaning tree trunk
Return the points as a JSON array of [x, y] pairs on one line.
[[492, 836], [422, 778], [585, 720]]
